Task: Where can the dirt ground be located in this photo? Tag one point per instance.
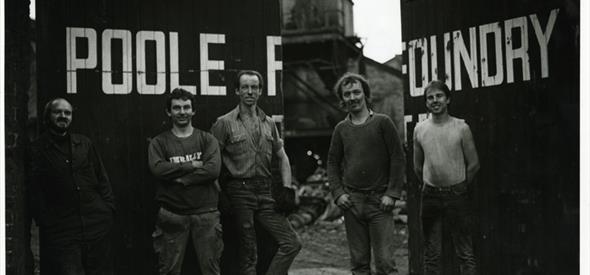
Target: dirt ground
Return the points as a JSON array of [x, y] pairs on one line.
[[325, 250]]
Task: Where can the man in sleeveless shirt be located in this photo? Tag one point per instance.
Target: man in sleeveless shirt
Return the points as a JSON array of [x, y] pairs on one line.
[[186, 162], [446, 160], [248, 139], [366, 166]]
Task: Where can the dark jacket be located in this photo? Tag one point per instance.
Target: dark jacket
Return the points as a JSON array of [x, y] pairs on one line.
[[69, 192]]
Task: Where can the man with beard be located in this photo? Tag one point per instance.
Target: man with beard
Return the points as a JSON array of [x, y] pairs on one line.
[[445, 159], [70, 198], [248, 138], [186, 162], [366, 173]]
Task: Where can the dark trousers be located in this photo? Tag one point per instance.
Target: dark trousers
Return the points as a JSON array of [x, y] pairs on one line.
[[251, 200], [448, 205], [74, 257], [171, 238], [367, 226]]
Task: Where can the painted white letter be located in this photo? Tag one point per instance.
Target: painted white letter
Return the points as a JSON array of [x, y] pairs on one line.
[[404, 66], [108, 87], [415, 88], [174, 72], [206, 64], [433, 58], [522, 52], [469, 59], [543, 38], [72, 62], [486, 78], [448, 64], [142, 86], [273, 65]]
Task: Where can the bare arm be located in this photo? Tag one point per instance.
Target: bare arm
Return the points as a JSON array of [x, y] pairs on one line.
[[285, 167], [469, 153], [418, 157], [279, 151]]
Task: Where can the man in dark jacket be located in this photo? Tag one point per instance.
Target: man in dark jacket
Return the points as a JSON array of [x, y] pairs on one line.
[[70, 198]]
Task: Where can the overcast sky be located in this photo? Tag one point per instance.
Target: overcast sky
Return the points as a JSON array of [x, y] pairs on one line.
[[378, 24]]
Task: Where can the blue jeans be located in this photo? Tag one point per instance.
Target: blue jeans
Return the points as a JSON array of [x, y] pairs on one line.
[[171, 237], [447, 205], [75, 257], [251, 200], [367, 226]]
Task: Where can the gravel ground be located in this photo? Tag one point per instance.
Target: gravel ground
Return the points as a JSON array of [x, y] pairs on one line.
[[325, 250]]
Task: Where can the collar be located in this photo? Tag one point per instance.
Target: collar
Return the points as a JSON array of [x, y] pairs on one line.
[[74, 138], [349, 117], [235, 113]]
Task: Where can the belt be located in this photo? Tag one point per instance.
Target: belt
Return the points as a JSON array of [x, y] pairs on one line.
[[178, 211], [461, 185], [365, 192], [251, 180]]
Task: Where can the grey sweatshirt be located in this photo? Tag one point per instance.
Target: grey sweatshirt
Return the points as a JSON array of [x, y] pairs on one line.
[[182, 188]]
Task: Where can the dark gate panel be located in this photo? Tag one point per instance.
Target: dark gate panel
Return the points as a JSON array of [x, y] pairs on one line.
[[514, 69], [116, 61]]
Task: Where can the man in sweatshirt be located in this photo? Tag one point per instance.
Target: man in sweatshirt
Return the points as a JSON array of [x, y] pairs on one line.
[[366, 173], [186, 162]]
